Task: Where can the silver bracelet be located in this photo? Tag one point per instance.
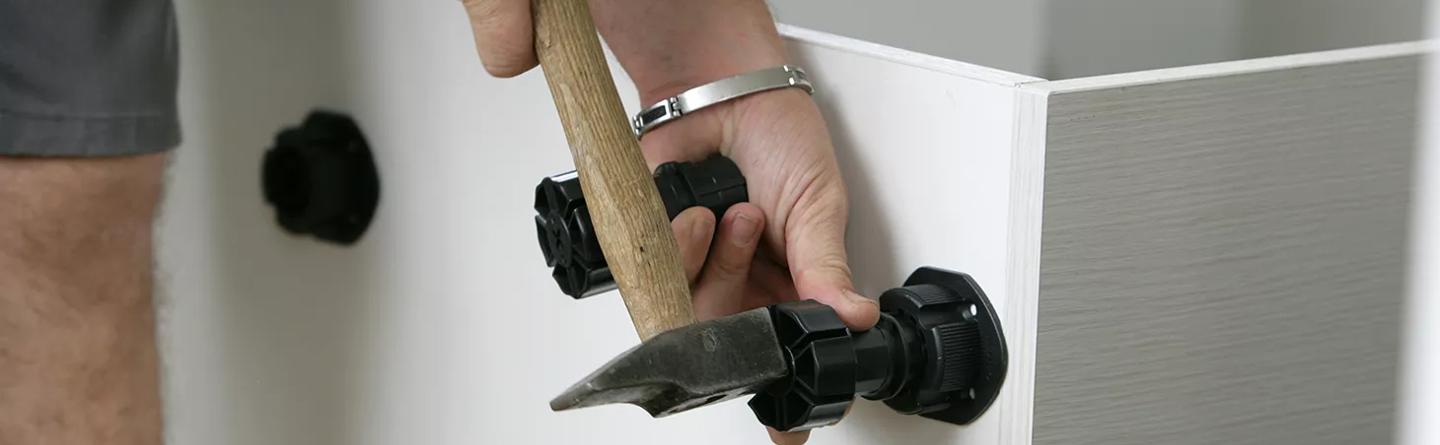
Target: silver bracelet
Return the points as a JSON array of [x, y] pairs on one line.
[[694, 99]]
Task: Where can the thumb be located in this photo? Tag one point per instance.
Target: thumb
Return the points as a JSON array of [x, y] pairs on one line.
[[790, 438], [815, 250], [504, 35]]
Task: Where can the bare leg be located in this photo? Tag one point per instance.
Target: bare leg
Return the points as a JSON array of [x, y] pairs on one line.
[[78, 361]]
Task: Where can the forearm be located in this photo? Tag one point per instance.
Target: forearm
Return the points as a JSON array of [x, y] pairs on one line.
[[668, 46], [78, 361]]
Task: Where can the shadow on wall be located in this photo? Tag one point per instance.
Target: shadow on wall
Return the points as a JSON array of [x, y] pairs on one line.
[[284, 313]]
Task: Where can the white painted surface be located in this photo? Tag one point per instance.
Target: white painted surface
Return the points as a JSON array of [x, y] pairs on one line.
[[427, 331], [1239, 67], [925, 145], [1419, 385], [1066, 39], [1008, 34], [1096, 37], [1279, 27], [1093, 37], [442, 325], [1027, 187]]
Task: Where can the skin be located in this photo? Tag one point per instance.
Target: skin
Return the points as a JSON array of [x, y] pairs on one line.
[[788, 242], [78, 362]]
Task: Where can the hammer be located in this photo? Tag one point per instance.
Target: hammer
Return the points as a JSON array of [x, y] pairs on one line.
[[629, 218], [937, 351]]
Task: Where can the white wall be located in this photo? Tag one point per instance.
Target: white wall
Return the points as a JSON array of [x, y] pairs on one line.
[[1276, 27], [1090, 37], [257, 356], [1004, 34], [442, 326], [1093, 37], [1062, 39], [1419, 386]]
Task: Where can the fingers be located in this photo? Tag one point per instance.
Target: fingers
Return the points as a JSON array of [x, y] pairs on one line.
[[723, 281], [694, 228], [792, 438], [815, 247], [504, 35]]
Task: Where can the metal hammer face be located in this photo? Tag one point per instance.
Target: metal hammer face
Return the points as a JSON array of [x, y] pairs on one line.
[[686, 368], [937, 351]]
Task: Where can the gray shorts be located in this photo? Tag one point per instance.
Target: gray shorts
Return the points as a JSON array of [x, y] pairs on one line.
[[87, 77]]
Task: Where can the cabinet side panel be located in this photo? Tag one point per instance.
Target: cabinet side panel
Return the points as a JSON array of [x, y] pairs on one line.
[[927, 159], [443, 325], [1223, 257]]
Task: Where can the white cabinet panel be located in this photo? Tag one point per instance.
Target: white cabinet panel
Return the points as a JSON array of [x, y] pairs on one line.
[[442, 325]]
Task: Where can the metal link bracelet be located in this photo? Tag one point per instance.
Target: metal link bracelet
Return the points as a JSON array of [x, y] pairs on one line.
[[695, 99]]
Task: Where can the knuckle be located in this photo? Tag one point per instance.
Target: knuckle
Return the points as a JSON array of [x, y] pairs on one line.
[[820, 203], [480, 9], [503, 59], [506, 61], [830, 268], [502, 36], [502, 68], [733, 263], [832, 264]]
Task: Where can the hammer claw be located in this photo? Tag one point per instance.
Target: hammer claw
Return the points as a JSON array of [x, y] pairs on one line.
[[687, 367]]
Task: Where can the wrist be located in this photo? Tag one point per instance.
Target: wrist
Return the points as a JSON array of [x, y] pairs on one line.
[[659, 83], [669, 46], [767, 112], [736, 123], [783, 104]]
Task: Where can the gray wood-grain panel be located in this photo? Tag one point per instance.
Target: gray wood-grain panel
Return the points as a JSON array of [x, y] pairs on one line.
[[1223, 257]]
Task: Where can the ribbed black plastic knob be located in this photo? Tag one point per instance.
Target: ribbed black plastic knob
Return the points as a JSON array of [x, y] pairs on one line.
[[321, 179], [567, 236], [962, 346], [822, 382], [937, 351], [959, 346], [948, 340], [715, 183]]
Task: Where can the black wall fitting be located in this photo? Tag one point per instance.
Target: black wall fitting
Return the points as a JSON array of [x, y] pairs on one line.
[[321, 179], [567, 237]]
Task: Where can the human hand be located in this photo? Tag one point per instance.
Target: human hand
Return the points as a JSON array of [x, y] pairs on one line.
[[778, 139], [504, 35], [787, 243]]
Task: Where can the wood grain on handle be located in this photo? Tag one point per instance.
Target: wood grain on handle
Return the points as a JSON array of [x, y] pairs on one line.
[[629, 217]]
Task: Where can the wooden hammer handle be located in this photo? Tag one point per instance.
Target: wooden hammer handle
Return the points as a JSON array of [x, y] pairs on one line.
[[629, 217]]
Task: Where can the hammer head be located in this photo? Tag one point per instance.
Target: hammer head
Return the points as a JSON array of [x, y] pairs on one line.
[[687, 368], [937, 351]]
